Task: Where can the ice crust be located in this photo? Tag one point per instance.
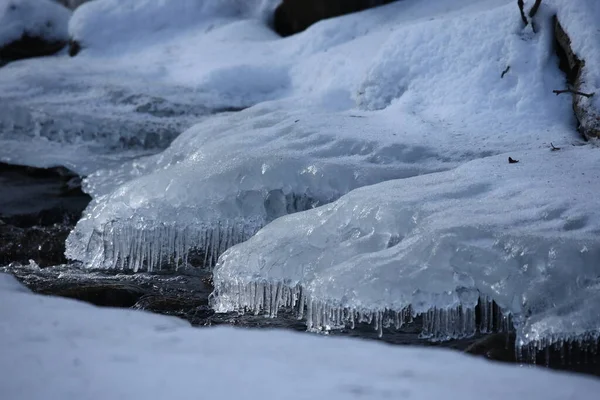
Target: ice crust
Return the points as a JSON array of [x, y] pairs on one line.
[[43, 19], [228, 176], [524, 235]]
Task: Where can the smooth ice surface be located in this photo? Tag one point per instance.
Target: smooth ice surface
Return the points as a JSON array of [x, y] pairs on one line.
[[397, 91], [44, 19], [63, 349], [525, 235]]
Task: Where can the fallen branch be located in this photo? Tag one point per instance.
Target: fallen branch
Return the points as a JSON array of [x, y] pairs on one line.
[[505, 72], [554, 148], [575, 92]]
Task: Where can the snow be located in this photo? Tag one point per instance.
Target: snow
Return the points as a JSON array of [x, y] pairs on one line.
[[317, 138], [143, 22], [60, 348], [37, 18]]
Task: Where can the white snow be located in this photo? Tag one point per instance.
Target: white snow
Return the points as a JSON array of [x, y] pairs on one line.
[[37, 18], [63, 349], [228, 176], [108, 23]]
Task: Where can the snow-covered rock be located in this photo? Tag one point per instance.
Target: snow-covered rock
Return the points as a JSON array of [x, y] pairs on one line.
[[63, 349], [103, 24], [31, 28]]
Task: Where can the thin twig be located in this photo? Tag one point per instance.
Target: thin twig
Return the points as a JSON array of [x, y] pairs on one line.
[[554, 148], [535, 8], [505, 72], [522, 10], [575, 92]]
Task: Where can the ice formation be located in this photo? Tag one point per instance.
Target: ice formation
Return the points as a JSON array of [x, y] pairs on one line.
[[523, 235], [220, 181], [36, 18]]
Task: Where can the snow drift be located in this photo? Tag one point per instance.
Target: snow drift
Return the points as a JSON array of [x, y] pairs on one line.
[[71, 350]]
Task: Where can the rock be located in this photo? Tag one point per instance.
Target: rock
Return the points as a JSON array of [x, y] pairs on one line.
[[189, 307], [44, 245], [28, 47], [38, 209], [74, 48], [497, 346], [293, 16], [32, 28], [72, 4], [588, 117], [105, 294]]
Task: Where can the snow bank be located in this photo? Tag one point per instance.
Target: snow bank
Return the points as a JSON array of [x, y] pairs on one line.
[[228, 176], [97, 110], [523, 235], [44, 19], [64, 349], [105, 23]]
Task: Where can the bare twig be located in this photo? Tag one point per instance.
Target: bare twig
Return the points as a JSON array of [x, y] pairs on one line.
[[554, 148], [535, 8], [575, 92], [512, 160], [522, 10], [505, 72]]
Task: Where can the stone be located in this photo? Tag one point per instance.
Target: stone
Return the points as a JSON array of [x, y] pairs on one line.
[[293, 16], [588, 118], [28, 47]]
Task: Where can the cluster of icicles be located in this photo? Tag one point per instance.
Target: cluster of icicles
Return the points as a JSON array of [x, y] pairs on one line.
[[142, 247], [168, 246], [437, 323]]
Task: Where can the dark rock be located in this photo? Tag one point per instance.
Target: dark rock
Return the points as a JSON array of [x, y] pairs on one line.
[[190, 307], [588, 118], [28, 47], [44, 245], [106, 294], [293, 16], [72, 4], [497, 346], [74, 48]]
